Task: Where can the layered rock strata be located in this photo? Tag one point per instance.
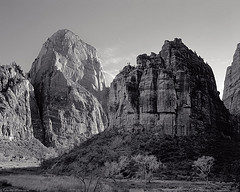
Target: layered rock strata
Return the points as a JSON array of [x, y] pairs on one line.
[[173, 91], [68, 80], [19, 117]]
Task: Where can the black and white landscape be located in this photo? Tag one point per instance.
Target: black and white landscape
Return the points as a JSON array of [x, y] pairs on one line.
[[141, 112]]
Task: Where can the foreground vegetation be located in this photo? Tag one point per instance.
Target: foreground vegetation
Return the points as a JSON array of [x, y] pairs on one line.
[[177, 154]]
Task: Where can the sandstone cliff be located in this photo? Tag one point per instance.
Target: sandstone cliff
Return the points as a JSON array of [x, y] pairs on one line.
[[173, 91], [68, 80], [18, 110]]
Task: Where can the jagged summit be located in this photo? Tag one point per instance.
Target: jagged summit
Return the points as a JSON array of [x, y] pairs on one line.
[[175, 41], [166, 58]]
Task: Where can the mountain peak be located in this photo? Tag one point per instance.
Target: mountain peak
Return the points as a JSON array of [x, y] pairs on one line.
[[76, 59], [69, 81], [64, 40], [65, 34]]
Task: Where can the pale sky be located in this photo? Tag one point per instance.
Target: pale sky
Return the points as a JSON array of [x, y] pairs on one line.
[[122, 29]]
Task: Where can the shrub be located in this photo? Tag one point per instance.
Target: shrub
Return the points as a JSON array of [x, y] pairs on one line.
[[146, 165], [140, 166], [203, 165]]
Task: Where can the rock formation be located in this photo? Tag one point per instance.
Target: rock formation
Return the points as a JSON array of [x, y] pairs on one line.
[[173, 91], [231, 93], [18, 109], [68, 80]]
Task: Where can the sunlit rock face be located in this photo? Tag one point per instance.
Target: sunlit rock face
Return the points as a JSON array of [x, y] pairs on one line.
[[231, 93], [173, 91], [68, 81], [76, 60], [17, 120]]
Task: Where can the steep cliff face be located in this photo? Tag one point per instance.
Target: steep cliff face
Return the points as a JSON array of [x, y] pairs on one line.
[[231, 93], [17, 120], [68, 79], [173, 91]]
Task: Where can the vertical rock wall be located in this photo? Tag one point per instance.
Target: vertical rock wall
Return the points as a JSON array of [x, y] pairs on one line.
[[231, 93], [173, 91]]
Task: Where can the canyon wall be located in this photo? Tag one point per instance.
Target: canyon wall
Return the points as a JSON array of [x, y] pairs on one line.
[[173, 92]]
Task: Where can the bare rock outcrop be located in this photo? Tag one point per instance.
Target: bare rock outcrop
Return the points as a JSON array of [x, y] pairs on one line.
[[173, 91], [69, 82]]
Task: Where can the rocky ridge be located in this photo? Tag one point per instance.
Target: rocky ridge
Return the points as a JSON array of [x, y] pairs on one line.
[[69, 82], [173, 91]]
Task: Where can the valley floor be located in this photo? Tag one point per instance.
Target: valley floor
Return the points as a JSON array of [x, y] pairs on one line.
[[33, 180]]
